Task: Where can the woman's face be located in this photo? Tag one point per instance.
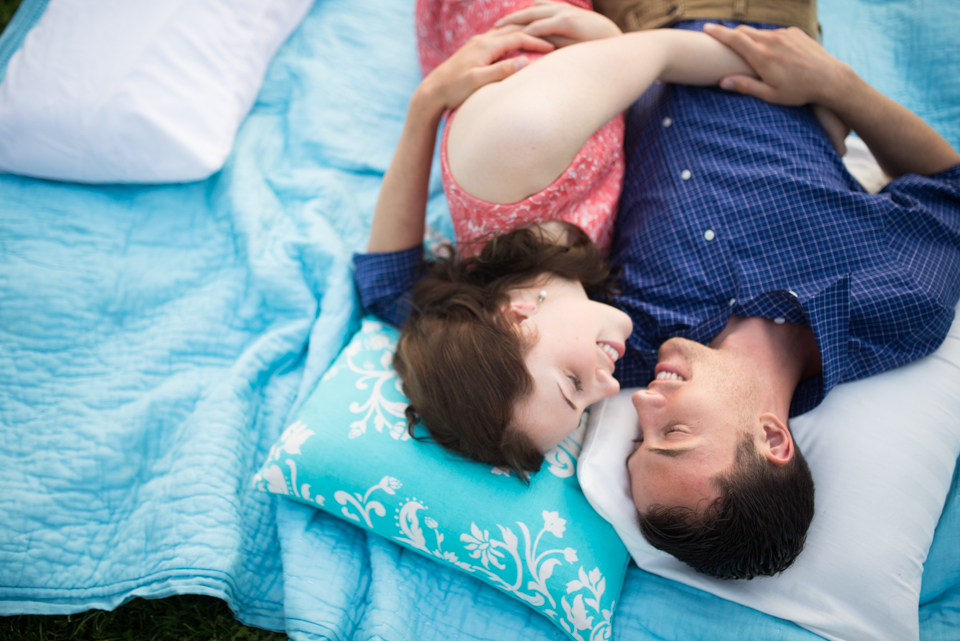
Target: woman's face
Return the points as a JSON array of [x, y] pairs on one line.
[[576, 343]]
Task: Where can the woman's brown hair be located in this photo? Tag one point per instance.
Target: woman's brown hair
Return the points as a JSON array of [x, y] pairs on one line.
[[462, 360]]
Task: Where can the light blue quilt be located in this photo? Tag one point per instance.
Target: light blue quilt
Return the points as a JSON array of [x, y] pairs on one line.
[[154, 341]]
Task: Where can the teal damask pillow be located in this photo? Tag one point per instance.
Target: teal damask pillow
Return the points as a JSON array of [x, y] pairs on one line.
[[348, 452]]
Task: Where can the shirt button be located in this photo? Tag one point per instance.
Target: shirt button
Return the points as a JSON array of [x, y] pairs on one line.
[[793, 293], [685, 174], [779, 320], [667, 122], [709, 235], [733, 301]]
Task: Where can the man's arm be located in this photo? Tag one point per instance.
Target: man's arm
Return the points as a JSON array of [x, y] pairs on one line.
[[514, 138], [795, 70], [398, 220]]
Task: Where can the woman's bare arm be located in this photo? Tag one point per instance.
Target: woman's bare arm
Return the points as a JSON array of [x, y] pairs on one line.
[[512, 139], [398, 220]]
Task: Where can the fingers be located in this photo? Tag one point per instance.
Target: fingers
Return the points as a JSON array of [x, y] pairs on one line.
[[534, 12], [499, 71], [837, 130], [749, 87], [742, 40], [530, 42], [513, 40], [545, 27]]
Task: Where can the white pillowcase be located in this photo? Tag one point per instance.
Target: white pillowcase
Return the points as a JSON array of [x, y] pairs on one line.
[[882, 452], [124, 91]]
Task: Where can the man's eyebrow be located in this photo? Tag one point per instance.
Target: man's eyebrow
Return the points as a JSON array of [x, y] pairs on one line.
[[672, 452]]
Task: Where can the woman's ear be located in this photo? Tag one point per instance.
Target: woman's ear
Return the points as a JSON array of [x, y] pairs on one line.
[[518, 311], [778, 441]]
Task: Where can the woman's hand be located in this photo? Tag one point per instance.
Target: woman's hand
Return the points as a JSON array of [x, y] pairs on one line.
[[474, 65], [398, 219], [561, 23]]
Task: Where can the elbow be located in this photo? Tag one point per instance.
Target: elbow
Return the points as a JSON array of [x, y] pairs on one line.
[[503, 156]]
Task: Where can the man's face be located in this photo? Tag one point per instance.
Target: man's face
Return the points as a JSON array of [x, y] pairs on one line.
[[691, 417]]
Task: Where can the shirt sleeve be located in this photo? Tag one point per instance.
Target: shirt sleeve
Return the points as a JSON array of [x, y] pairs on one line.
[[385, 280], [937, 197], [923, 228]]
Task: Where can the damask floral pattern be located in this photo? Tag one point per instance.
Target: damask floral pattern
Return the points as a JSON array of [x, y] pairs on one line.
[[543, 545], [371, 358], [501, 557], [271, 477]]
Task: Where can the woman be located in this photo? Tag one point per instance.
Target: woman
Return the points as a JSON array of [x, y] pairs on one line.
[[502, 352], [587, 194]]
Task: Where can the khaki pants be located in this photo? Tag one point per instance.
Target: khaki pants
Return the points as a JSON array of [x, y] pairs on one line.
[[637, 15]]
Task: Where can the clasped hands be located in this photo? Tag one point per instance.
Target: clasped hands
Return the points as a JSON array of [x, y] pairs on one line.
[[793, 69], [540, 28]]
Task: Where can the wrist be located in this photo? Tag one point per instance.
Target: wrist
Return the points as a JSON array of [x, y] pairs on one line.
[[843, 91], [426, 103]]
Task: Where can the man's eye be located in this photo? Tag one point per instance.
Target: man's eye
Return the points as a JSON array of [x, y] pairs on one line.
[[576, 382]]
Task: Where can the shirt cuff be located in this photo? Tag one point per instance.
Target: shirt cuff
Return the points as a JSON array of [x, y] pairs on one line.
[[384, 281]]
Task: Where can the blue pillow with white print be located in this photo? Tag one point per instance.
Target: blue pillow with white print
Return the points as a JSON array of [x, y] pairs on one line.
[[348, 452]]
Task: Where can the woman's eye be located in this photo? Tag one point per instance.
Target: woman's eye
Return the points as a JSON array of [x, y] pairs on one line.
[[576, 382]]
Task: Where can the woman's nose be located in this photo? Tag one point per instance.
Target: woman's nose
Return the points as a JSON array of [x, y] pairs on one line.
[[607, 385]]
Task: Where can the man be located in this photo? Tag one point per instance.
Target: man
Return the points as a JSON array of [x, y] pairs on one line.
[[759, 275]]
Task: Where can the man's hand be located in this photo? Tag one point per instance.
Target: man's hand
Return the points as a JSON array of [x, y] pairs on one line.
[[561, 23], [793, 68], [474, 65]]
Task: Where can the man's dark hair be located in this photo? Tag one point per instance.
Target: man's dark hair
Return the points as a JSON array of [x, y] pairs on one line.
[[462, 361], [756, 527]]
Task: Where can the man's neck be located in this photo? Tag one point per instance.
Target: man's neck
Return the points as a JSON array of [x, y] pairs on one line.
[[784, 355]]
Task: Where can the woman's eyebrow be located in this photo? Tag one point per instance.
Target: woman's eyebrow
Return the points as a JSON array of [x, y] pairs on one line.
[[569, 402]]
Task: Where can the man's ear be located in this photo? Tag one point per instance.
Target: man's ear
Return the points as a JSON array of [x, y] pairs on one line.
[[777, 441], [519, 311]]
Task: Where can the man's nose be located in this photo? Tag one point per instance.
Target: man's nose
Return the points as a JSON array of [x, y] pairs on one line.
[[646, 401]]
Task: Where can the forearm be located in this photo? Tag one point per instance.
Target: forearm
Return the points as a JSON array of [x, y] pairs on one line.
[[793, 69], [900, 140], [514, 138], [597, 80], [593, 81], [398, 220]]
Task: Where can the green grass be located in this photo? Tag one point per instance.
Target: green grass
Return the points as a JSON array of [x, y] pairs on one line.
[[177, 618], [7, 9]]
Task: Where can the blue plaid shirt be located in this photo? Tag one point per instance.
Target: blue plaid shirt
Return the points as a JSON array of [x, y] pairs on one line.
[[732, 206]]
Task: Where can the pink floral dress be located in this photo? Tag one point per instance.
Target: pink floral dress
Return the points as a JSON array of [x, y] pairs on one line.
[[585, 194]]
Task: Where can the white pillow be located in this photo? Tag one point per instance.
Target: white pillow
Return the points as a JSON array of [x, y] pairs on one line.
[[107, 91], [882, 452], [861, 164]]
